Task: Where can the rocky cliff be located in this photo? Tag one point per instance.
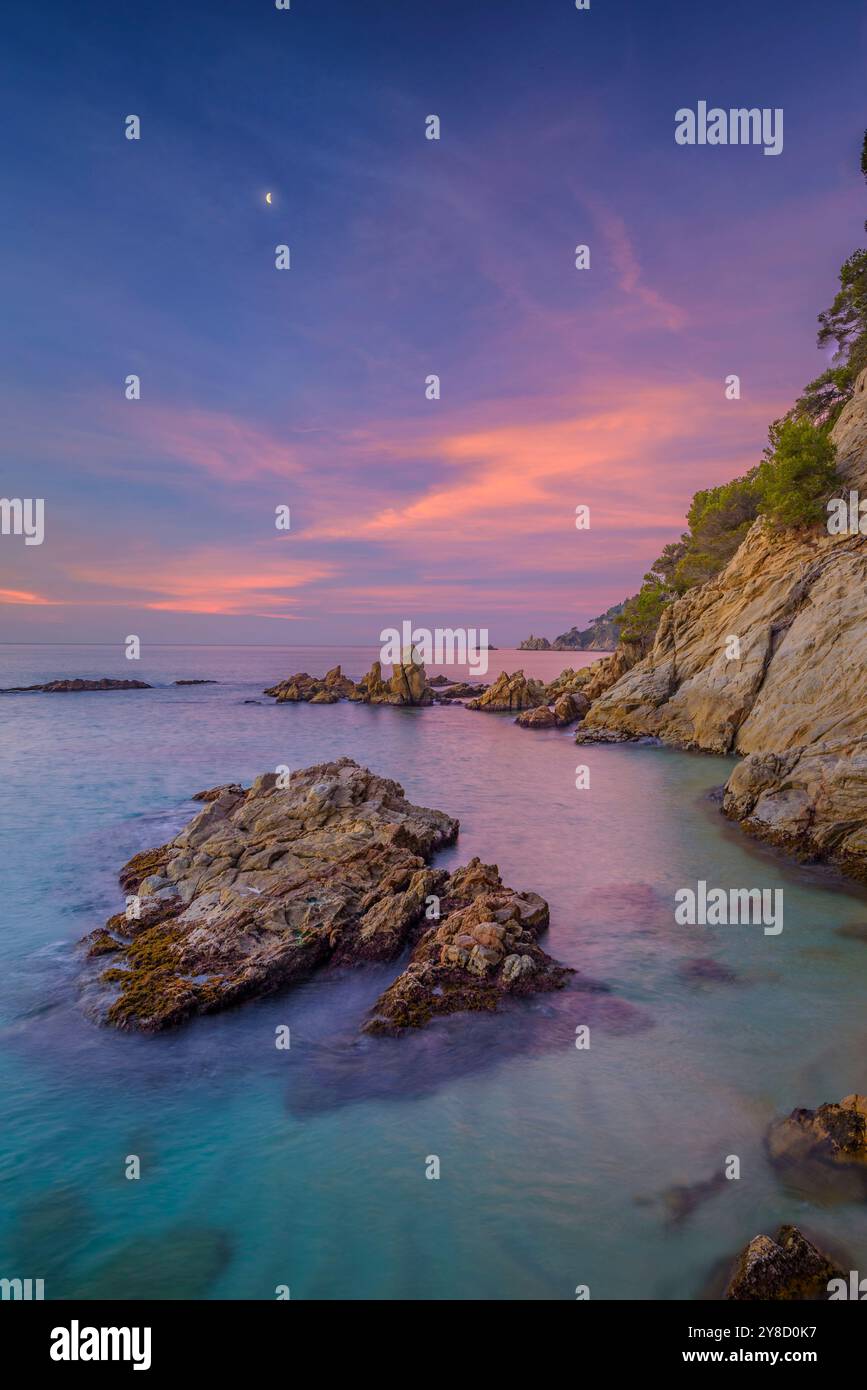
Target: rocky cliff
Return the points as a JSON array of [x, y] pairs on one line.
[[602, 635], [793, 698]]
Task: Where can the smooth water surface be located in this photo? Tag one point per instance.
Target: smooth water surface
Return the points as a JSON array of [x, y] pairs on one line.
[[307, 1167]]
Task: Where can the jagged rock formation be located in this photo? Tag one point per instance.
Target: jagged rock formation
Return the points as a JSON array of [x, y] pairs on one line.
[[568, 682], [483, 949], [534, 644], [265, 886], [786, 1267], [793, 703], [408, 686], [511, 693], [568, 709]]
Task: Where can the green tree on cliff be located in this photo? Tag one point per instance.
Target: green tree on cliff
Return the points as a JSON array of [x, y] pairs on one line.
[[719, 518], [792, 484], [843, 326], [798, 473], [641, 613]]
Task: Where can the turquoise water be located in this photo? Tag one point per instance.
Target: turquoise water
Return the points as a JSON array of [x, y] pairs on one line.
[[306, 1168]]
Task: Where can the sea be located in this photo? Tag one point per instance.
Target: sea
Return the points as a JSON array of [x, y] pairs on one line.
[[304, 1172]]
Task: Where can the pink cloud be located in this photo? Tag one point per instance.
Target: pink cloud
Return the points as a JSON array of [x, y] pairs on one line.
[[22, 596], [228, 580], [629, 458]]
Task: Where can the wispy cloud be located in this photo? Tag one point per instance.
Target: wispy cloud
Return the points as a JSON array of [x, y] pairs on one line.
[[21, 596], [630, 276], [229, 580]]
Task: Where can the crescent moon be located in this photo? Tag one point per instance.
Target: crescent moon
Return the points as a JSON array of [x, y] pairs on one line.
[[267, 197]]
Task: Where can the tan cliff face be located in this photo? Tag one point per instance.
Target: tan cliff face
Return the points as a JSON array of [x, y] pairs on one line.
[[795, 702]]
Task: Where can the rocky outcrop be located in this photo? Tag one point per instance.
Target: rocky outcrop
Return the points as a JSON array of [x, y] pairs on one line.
[[789, 694], [602, 635], [267, 885], [482, 950], [63, 686], [569, 681], [214, 793], [461, 691], [571, 641], [604, 674], [539, 718], [834, 1133], [511, 693], [589, 682], [302, 687], [408, 686], [295, 688], [786, 1267], [568, 708]]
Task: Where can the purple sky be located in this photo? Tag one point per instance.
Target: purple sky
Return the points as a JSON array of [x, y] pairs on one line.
[[306, 387]]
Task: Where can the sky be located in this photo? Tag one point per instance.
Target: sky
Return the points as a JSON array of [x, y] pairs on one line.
[[306, 388]]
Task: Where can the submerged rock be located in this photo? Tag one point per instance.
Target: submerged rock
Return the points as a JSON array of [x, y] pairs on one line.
[[706, 969], [181, 1263], [683, 1199], [63, 686], [265, 886], [786, 1267]]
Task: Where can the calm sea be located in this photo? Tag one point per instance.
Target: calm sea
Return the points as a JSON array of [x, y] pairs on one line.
[[307, 1167]]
